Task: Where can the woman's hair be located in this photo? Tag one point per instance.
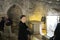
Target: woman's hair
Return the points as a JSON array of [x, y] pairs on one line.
[[22, 16]]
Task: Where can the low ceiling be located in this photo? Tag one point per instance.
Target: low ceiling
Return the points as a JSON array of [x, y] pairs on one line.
[[55, 4]]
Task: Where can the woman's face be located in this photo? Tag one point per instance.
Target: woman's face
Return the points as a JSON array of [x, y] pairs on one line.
[[23, 19]]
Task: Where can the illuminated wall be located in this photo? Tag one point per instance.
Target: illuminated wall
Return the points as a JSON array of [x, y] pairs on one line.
[[37, 13]]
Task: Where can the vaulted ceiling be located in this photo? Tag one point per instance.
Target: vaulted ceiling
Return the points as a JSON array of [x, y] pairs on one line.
[[55, 4]]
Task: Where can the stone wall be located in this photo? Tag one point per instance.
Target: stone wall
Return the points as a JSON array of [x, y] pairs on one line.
[[26, 7]]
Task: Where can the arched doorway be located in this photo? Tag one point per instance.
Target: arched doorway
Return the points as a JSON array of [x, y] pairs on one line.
[[14, 13]]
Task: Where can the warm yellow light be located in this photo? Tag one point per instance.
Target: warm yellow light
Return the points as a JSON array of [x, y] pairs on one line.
[[37, 14], [35, 18], [44, 28]]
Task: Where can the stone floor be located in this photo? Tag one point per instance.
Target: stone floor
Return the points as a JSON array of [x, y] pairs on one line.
[[8, 35], [38, 37], [4, 36]]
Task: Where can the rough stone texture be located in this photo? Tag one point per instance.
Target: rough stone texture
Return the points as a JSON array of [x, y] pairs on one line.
[[23, 7], [26, 6]]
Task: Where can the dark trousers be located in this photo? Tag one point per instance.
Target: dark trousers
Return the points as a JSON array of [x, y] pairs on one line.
[[22, 37]]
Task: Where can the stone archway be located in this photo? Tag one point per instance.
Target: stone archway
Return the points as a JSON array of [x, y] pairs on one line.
[[14, 13]]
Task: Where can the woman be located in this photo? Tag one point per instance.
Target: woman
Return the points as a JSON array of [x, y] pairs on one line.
[[23, 29]]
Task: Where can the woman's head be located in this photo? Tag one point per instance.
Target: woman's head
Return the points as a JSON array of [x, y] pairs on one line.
[[23, 18]]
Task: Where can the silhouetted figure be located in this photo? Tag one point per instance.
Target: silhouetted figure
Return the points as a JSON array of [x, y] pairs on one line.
[[23, 29], [57, 32], [8, 21], [2, 22], [8, 24]]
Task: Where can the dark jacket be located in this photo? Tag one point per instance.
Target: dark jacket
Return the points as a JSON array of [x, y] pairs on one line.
[[9, 22], [2, 25], [23, 32], [57, 32]]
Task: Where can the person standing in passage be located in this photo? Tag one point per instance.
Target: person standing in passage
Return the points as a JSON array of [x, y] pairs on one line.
[[23, 29], [2, 22], [8, 23]]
